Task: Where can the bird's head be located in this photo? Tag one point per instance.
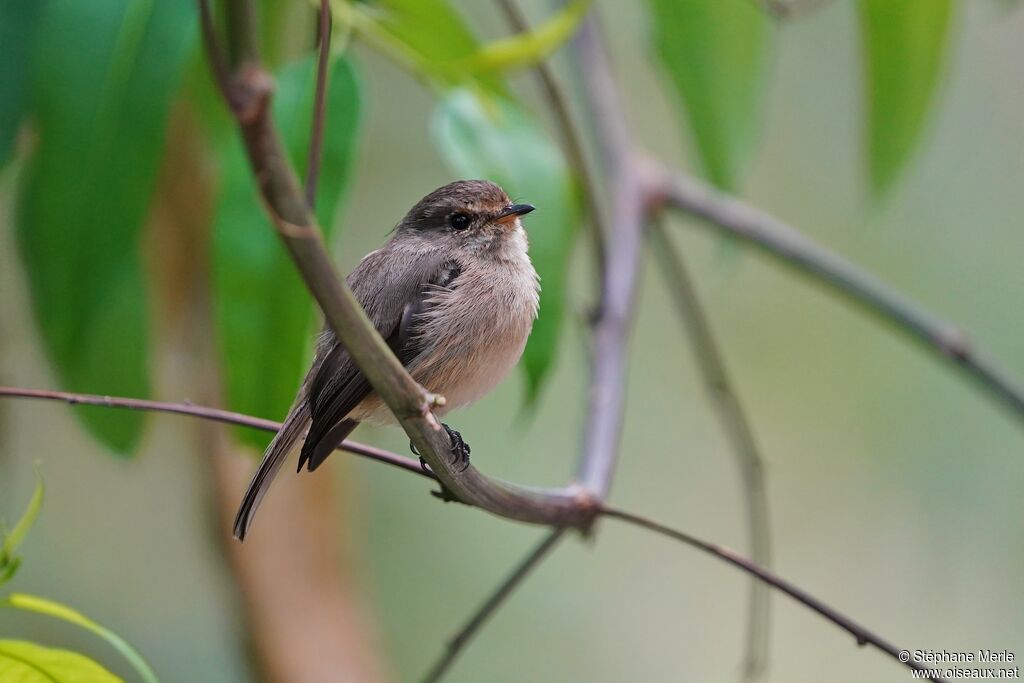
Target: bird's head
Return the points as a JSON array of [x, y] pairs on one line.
[[473, 213]]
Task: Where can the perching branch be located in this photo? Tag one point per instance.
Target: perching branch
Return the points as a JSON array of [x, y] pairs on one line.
[[247, 92], [206, 413], [491, 604], [737, 430], [862, 635], [726, 213]]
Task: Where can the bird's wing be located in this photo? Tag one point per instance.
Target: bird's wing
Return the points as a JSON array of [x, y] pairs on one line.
[[394, 300]]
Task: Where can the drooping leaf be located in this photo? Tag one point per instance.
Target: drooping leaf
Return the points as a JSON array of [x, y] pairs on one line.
[[9, 561], [904, 42], [714, 52], [491, 137], [103, 78], [264, 314], [24, 662], [32, 603], [17, 30]]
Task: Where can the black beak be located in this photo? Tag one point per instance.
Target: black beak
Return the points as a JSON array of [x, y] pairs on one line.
[[512, 210], [518, 209]]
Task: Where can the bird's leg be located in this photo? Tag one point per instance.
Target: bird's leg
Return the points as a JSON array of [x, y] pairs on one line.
[[460, 449], [460, 456]]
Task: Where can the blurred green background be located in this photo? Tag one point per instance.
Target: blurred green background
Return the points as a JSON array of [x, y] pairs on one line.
[[894, 485]]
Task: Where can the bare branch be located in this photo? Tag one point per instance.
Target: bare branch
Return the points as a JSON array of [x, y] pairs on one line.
[[793, 249], [862, 635], [412, 405], [491, 604], [206, 413], [737, 430], [627, 180], [316, 137]]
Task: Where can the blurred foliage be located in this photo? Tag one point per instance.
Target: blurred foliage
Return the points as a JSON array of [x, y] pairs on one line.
[[17, 29], [32, 603], [492, 137], [102, 79], [96, 80], [22, 661], [103, 76], [904, 44], [714, 52], [529, 48], [9, 560], [427, 36], [264, 314]]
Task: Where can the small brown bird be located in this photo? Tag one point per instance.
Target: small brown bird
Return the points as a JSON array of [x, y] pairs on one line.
[[454, 294]]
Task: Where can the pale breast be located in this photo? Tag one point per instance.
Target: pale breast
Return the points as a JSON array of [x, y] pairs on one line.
[[475, 333], [482, 325]]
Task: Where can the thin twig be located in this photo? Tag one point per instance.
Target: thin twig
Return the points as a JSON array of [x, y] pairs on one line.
[[736, 426], [571, 142], [490, 605], [296, 225], [757, 227], [862, 635], [205, 413], [215, 53], [316, 136]]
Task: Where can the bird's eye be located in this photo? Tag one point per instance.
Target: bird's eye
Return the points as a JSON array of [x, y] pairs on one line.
[[459, 221]]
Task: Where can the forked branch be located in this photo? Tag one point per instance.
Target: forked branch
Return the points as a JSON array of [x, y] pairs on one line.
[[862, 634]]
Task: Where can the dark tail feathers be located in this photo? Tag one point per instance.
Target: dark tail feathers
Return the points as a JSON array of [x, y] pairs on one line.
[[292, 429]]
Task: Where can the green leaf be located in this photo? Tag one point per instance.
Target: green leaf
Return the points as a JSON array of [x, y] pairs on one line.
[[9, 561], [32, 603], [24, 662], [714, 52], [491, 137], [264, 314], [428, 36], [18, 20], [904, 42], [104, 74], [529, 48]]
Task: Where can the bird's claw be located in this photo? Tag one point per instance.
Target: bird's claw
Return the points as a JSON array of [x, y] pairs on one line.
[[460, 456], [460, 449]]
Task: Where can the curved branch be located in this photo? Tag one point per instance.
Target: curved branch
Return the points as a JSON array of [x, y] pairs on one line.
[[757, 227], [862, 635], [629, 183]]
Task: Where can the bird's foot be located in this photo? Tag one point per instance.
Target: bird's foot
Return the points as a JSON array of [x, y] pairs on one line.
[[460, 456], [460, 449]]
